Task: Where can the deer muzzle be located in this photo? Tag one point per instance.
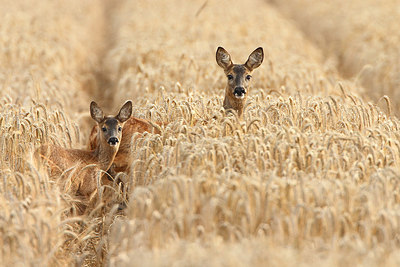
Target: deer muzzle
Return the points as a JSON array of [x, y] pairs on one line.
[[113, 141], [239, 92]]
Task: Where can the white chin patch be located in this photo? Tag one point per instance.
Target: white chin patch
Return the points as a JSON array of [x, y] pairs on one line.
[[239, 97]]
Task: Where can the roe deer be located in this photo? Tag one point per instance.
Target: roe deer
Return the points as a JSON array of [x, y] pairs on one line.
[[133, 125], [239, 76], [89, 162]]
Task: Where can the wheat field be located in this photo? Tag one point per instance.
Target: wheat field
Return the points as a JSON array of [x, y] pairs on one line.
[[309, 176], [361, 37]]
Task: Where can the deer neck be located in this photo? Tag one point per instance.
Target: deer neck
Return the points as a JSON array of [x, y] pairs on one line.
[[105, 155], [230, 102]]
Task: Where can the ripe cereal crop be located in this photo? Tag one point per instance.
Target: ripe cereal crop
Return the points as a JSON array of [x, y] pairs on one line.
[[307, 176]]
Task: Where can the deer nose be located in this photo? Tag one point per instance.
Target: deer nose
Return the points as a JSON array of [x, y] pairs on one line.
[[239, 91], [113, 141]]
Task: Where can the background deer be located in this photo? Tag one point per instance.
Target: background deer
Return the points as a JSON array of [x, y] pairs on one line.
[[239, 76], [89, 163], [133, 125]]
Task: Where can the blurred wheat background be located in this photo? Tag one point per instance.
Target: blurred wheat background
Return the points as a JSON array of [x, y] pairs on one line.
[[310, 176]]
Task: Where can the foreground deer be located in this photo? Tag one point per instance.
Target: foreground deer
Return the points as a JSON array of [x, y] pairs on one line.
[[108, 138], [133, 125], [239, 76]]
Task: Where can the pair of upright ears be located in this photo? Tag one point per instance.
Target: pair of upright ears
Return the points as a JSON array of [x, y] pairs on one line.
[[123, 115], [254, 61]]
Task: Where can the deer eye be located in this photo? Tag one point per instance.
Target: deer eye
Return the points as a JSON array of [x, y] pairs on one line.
[[248, 77], [104, 129], [230, 77], [119, 128]]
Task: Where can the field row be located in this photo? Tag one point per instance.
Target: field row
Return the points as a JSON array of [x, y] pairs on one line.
[[361, 36]]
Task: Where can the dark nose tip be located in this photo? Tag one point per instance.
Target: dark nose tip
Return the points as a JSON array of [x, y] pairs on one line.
[[239, 91], [113, 141]]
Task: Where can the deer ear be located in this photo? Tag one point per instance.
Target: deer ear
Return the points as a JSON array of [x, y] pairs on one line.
[[125, 112], [96, 112], [255, 59], [223, 58]]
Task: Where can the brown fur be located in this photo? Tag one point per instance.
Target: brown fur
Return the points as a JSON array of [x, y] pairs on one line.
[[239, 76], [60, 159], [132, 126]]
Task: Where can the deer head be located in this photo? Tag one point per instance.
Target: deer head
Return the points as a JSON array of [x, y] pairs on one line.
[[239, 77], [110, 127]]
